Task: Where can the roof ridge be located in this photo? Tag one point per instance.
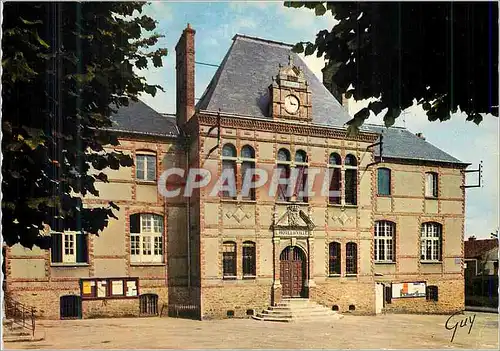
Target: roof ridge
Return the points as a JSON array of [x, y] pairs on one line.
[[262, 40]]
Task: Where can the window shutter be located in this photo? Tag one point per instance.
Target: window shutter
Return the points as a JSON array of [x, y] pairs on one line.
[[135, 223], [81, 248], [428, 184], [56, 248], [434, 185]]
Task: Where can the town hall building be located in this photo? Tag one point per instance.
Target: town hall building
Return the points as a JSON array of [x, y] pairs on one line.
[[388, 237]]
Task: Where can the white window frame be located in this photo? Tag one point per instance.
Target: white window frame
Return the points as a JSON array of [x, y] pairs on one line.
[[431, 234], [385, 232], [145, 168], [68, 248], [150, 240]]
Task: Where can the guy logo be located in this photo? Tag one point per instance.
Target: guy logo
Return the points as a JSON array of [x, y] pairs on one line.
[[463, 323]]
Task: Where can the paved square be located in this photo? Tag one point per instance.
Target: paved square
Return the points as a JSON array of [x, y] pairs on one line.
[[391, 331]]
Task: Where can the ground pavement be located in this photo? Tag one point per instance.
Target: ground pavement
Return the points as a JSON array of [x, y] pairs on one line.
[[391, 331]]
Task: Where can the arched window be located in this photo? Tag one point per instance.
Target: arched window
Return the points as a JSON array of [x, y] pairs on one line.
[[301, 187], [229, 259], [228, 150], [351, 180], [248, 166], [384, 181], [385, 233], [283, 155], [335, 167], [300, 156], [430, 239], [229, 166], [283, 165], [146, 238], [351, 263], [249, 259], [431, 184], [334, 258]]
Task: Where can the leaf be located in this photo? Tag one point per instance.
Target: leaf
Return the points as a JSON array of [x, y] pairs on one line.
[[298, 48], [310, 48], [391, 115], [102, 177], [352, 131], [294, 4], [40, 40], [157, 61], [150, 89], [30, 22], [320, 10], [376, 107]]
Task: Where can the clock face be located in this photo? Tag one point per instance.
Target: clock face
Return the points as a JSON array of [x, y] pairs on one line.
[[291, 104]]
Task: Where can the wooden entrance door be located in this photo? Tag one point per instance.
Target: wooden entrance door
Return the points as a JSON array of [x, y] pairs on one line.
[[292, 272]]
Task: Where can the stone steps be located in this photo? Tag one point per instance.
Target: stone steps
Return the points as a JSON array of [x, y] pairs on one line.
[[291, 310]]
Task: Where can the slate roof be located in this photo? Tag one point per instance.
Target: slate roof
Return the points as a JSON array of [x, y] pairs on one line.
[[139, 118], [476, 248], [240, 85], [400, 143]]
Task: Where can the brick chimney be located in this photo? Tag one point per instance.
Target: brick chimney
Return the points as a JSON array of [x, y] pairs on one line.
[[184, 67]]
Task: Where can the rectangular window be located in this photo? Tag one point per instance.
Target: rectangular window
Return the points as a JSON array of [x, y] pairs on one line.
[[145, 167], [334, 259], [146, 238], [384, 241], [302, 184], [384, 181], [249, 259], [334, 197], [431, 242], [229, 259], [247, 166], [69, 247], [351, 186], [229, 165], [431, 184], [351, 258], [432, 293], [284, 172]]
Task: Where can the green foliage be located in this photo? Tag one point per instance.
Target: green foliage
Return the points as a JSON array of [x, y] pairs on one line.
[[443, 55], [66, 67]]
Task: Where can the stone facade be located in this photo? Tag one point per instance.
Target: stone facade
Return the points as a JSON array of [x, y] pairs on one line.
[[191, 269]]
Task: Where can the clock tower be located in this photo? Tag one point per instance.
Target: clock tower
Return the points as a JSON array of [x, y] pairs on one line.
[[290, 94]]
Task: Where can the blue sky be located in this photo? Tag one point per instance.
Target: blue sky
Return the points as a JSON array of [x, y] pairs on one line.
[[217, 22]]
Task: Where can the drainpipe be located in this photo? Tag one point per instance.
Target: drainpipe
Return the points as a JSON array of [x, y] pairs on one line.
[[188, 217]]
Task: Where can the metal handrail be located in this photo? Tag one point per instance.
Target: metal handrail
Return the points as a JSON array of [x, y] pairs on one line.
[[21, 315]]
